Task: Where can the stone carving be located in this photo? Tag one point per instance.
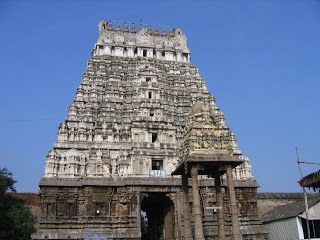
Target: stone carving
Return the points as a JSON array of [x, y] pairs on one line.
[[102, 26], [144, 42]]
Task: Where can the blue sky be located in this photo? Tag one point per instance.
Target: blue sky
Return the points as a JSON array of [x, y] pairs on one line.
[[260, 59]]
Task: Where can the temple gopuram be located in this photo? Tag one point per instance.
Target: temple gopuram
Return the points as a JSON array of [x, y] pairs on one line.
[[144, 152]]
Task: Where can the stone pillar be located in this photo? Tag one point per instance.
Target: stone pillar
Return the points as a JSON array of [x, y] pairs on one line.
[[177, 205], [186, 208], [138, 209], [198, 228], [220, 211], [236, 234]]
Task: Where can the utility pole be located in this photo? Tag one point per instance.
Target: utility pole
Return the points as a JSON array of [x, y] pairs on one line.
[[305, 195]]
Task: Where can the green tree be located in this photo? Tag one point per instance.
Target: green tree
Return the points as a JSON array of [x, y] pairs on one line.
[[16, 221]]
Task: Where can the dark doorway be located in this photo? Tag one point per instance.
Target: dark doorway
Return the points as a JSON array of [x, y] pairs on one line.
[[158, 224], [314, 226]]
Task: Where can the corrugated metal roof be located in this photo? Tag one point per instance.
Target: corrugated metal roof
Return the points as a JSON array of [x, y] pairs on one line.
[[289, 210]]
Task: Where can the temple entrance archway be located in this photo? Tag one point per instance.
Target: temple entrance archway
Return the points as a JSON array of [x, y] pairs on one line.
[[158, 215]]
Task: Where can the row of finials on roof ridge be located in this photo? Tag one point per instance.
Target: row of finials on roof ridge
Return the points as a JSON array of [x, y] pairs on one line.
[[106, 25]]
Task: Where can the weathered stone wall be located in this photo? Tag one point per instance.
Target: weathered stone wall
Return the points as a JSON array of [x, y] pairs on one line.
[[72, 208], [247, 198], [268, 201]]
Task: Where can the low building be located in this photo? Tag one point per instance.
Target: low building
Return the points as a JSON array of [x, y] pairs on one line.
[[267, 201], [289, 222]]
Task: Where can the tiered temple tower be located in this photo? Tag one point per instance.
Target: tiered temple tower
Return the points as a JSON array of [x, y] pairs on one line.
[[141, 109]]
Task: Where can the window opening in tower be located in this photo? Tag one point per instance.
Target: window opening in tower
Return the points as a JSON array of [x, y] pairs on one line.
[[157, 164], [154, 136]]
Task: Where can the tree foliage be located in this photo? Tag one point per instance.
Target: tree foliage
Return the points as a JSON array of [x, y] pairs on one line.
[[6, 181], [16, 221]]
